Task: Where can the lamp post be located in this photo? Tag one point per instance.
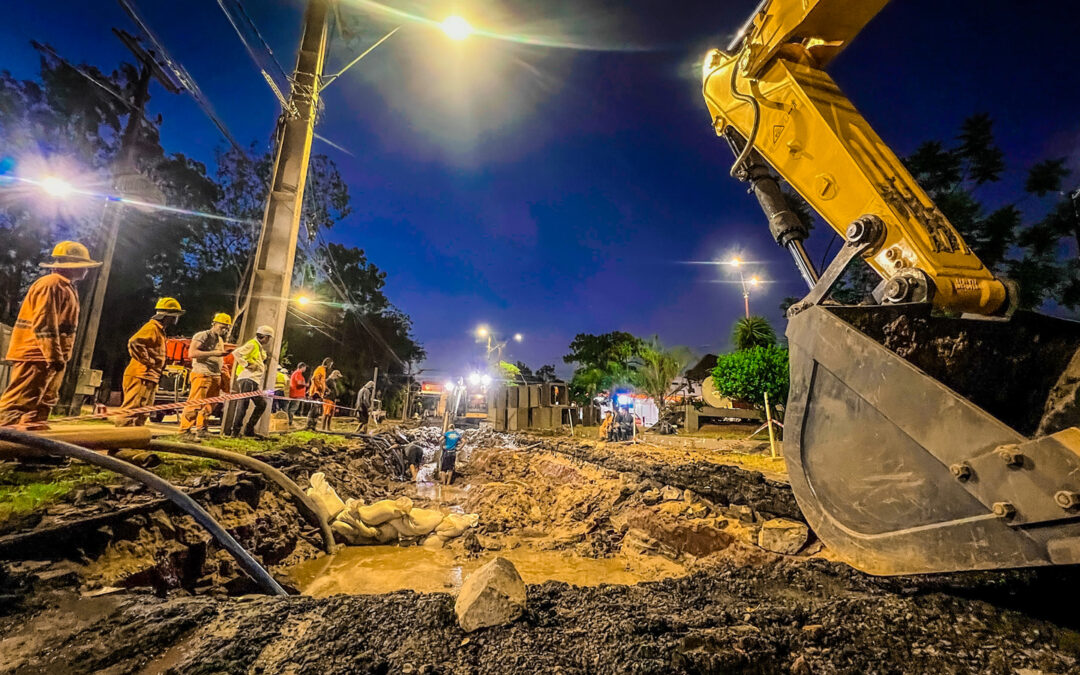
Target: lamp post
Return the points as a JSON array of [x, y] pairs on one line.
[[493, 345], [268, 289], [746, 284]]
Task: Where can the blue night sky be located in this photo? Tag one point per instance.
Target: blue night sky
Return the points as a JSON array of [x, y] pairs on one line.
[[557, 190]]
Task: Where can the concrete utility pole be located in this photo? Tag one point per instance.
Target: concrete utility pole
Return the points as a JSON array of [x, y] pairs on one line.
[[271, 279], [126, 181]]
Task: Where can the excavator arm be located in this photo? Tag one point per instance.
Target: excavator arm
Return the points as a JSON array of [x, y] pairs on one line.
[[917, 440], [770, 97]]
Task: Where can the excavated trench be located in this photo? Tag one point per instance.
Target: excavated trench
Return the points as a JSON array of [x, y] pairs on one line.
[[664, 576]]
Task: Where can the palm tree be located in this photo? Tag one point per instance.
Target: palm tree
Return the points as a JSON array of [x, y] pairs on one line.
[[656, 367], [753, 331]]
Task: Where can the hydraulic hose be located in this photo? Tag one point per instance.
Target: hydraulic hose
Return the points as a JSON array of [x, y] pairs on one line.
[[745, 98], [308, 507], [186, 503]]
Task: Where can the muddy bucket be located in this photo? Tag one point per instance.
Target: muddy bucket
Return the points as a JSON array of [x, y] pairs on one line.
[[908, 439]]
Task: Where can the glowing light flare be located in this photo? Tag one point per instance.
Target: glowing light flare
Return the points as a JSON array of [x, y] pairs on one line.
[[482, 331], [56, 187], [485, 379], [754, 281], [456, 28], [303, 300], [474, 379], [518, 337], [449, 387]]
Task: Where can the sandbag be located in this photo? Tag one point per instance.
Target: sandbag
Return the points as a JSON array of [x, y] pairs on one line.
[[434, 541], [384, 511], [455, 524], [323, 495], [350, 516], [418, 522], [386, 533], [351, 535]]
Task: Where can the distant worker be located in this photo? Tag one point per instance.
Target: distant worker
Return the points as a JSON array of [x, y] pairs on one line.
[[317, 390], [333, 384], [364, 401], [147, 350], [297, 390], [414, 457], [281, 387], [449, 455], [251, 358], [207, 352], [42, 340]]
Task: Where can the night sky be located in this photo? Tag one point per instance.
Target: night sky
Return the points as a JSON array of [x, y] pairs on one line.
[[558, 190]]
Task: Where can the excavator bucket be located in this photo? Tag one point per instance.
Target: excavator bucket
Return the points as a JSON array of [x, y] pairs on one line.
[[909, 438]]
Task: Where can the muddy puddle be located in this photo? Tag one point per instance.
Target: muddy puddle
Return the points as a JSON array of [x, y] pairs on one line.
[[373, 570]]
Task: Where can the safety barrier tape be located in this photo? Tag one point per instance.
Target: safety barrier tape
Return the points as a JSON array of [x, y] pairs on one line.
[[164, 406]]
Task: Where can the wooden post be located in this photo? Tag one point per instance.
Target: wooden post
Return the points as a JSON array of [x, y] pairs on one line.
[[768, 422]]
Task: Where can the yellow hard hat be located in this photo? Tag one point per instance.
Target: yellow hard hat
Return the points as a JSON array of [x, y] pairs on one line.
[[70, 255], [169, 306], [222, 317]]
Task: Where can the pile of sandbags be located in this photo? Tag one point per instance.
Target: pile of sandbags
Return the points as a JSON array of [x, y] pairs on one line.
[[388, 520]]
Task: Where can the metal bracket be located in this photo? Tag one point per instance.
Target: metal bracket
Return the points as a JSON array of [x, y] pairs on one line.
[[861, 235]]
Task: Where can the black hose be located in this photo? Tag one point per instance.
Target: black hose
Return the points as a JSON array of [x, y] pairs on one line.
[[307, 506], [186, 503]]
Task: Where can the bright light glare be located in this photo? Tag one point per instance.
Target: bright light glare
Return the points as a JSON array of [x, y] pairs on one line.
[[754, 281], [482, 331], [303, 300], [449, 386], [485, 380], [61, 189], [736, 262], [474, 379], [518, 337], [456, 28]]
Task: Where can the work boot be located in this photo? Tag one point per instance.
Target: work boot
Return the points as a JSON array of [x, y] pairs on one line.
[[250, 433], [190, 436]]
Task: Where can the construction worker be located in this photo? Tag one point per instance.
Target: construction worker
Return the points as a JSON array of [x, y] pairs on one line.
[[42, 339], [317, 390], [147, 350], [448, 461], [251, 358], [364, 401], [297, 390], [332, 393], [207, 352]]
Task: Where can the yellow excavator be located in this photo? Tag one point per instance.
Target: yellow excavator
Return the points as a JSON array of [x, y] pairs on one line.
[[932, 428]]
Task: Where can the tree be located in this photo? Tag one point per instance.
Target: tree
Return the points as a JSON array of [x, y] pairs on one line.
[[655, 368], [752, 331], [525, 372], [748, 374], [603, 362], [547, 373]]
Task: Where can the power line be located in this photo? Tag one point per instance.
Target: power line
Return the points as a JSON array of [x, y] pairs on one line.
[[259, 62], [179, 72]]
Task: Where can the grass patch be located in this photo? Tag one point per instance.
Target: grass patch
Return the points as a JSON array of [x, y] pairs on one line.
[[25, 491], [248, 446]]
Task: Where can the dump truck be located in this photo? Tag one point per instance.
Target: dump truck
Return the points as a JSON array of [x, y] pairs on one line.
[[934, 428]]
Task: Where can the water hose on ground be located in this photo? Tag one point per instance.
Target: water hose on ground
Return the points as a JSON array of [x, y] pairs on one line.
[[186, 503], [308, 507]]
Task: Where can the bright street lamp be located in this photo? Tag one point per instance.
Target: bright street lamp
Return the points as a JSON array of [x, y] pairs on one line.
[[482, 331], [456, 28], [56, 187], [518, 337]]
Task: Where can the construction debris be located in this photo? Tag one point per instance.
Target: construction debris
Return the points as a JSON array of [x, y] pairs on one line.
[[493, 595], [784, 536]]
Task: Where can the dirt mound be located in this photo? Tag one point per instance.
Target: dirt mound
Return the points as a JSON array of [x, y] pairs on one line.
[[810, 617]]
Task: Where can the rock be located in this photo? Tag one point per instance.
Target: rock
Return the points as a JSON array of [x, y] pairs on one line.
[[813, 631], [799, 666], [670, 494], [784, 536], [493, 595], [650, 496]]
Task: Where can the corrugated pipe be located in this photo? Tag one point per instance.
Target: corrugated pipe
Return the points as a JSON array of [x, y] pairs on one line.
[[308, 507], [186, 503]]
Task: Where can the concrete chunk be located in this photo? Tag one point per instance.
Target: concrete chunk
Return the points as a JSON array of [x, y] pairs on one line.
[[781, 535], [493, 595]]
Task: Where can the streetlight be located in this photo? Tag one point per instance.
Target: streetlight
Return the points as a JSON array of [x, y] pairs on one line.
[[456, 28], [754, 281], [518, 337], [485, 334], [56, 187]]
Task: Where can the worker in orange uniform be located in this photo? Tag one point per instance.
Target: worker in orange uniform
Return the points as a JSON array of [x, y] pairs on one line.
[[331, 395], [207, 352], [317, 391], [42, 340], [147, 350]]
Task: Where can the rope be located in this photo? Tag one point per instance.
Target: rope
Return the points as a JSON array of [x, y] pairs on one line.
[[164, 406]]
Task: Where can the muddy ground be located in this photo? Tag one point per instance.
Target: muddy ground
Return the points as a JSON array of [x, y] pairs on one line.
[[146, 593]]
